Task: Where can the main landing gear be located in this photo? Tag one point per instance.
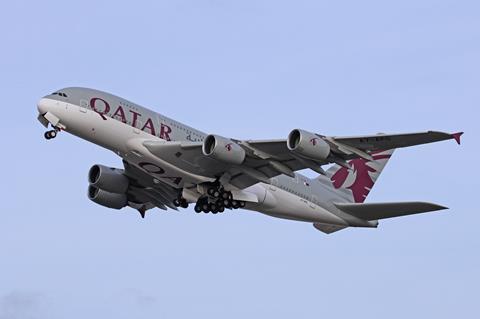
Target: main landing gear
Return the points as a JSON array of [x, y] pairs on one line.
[[50, 134], [217, 200]]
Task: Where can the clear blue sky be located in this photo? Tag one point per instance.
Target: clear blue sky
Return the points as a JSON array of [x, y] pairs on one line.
[[245, 69]]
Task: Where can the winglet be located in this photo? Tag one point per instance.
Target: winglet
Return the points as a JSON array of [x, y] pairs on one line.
[[457, 136]]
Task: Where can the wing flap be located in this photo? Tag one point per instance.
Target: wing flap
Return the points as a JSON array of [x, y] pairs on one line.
[[145, 190], [375, 211]]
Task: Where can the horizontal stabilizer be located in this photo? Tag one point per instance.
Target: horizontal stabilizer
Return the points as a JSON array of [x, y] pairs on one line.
[[328, 229], [374, 211]]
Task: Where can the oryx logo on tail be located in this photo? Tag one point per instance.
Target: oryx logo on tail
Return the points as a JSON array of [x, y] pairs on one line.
[[361, 177]]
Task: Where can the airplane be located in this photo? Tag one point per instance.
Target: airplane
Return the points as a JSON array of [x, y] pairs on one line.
[[167, 164]]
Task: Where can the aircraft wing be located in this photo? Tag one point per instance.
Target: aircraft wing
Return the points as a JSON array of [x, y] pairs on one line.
[[265, 159], [256, 168], [381, 142], [345, 148]]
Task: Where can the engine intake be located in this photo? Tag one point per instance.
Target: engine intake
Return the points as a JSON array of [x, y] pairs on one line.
[[107, 199], [308, 145], [109, 179], [223, 149]]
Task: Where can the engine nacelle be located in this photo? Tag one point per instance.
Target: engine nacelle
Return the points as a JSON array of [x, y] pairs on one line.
[[107, 199], [109, 179], [223, 149], [308, 145]]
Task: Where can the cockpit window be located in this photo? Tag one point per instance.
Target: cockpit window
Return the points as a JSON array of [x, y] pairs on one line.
[[60, 93]]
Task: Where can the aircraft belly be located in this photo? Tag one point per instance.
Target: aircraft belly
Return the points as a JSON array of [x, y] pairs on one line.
[[290, 206]]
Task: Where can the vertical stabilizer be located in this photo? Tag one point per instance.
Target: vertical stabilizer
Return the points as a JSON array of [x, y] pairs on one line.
[[358, 181]]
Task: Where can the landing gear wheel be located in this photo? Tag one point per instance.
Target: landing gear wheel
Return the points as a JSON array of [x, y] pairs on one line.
[[176, 202], [213, 208], [235, 204], [227, 203], [219, 203], [211, 191], [205, 208], [242, 204], [50, 134], [198, 209], [227, 195], [184, 204]]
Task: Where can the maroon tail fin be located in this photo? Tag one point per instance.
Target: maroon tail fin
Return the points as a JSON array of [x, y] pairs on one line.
[[358, 181]]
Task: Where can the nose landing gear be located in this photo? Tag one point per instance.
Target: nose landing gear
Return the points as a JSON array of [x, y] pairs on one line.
[[50, 134]]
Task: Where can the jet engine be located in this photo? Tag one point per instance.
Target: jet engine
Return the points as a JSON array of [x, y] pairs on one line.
[[107, 199], [223, 149], [308, 145], [108, 179]]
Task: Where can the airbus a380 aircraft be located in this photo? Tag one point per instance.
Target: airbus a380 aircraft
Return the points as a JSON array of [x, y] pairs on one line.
[[169, 164]]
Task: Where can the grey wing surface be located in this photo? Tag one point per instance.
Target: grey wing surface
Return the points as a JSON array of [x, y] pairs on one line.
[[265, 159], [259, 166], [380, 142]]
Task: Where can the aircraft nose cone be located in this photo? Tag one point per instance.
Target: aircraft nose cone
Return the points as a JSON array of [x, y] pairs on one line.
[[43, 106]]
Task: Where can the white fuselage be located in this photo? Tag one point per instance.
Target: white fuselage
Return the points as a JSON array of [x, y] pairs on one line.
[[122, 126]]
